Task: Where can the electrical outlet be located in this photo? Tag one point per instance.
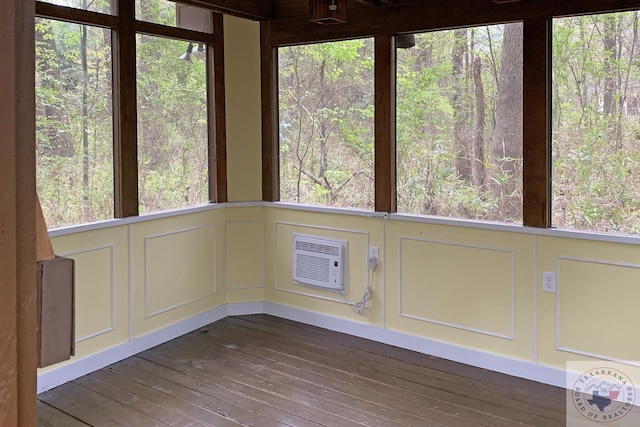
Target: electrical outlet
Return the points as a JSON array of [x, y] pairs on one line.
[[549, 282], [374, 258], [373, 251]]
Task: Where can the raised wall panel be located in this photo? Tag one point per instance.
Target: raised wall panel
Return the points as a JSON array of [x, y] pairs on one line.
[[101, 287], [461, 286], [179, 268], [95, 281], [597, 302], [245, 254], [356, 270]]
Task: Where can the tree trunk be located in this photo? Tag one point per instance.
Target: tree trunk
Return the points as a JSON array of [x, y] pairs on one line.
[[477, 170], [610, 78], [85, 117], [506, 144], [461, 145]]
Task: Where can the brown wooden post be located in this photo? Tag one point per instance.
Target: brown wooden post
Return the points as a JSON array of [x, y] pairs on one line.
[[125, 159], [269, 77], [385, 123], [17, 216], [217, 116], [536, 150]]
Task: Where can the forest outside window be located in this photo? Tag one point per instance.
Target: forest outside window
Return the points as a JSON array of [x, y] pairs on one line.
[[326, 113], [86, 160], [74, 124], [595, 116], [459, 124], [172, 124]]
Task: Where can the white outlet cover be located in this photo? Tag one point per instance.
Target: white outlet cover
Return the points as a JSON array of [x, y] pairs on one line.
[[549, 282], [373, 251]]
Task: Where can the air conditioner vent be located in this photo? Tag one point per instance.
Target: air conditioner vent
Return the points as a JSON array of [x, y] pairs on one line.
[[319, 262], [319, 248]]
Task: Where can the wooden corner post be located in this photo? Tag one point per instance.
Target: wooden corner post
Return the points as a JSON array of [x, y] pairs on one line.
[[18, 354]]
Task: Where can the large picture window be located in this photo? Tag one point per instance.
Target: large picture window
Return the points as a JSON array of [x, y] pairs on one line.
[[596, 132], [172, 125], [459, 124], [74, 125], [326, 112], [88, 139]]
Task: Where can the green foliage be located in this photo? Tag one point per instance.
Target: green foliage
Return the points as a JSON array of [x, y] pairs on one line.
[[326, 123], [65, 111], [596, 145], [430, 106], [156, 11], [172, 126], [75, 121]]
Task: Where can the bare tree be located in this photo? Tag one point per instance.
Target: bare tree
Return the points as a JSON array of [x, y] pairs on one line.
[[461, 145], [506, 144]]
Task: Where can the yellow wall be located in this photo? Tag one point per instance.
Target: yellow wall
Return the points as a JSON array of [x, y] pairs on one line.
[[245, 254], [474, 286], [280, 226], [471, 286], [175, 270], [102, 286], [595, 310], [242, 86]]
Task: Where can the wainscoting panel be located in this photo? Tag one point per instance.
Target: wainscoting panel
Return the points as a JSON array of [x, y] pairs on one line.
[[245, 254], [597, 302], [95, 278], [185, 276], [461, 286]]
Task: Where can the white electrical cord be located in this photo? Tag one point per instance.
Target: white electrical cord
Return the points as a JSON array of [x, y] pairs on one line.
[[361, 306]]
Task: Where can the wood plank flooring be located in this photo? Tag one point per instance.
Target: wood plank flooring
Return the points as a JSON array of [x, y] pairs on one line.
[[265, 371]]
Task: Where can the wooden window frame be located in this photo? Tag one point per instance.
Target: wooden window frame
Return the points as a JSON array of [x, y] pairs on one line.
[[430, 16], [124, 28]]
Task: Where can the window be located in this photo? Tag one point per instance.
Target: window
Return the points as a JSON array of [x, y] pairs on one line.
[[86, 168], [596, 136], [156, 11], [172, 125], [326, 113], [103, 6], [74, 126], [459, 124], [170, 13]]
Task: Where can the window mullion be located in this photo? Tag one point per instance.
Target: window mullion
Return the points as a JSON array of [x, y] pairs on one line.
[[217, 115], [269, 92], [536, 147], [125, 113], [385, 132]]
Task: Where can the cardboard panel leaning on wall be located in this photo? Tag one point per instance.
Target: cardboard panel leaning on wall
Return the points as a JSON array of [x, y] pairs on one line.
[[593, 314], [461, 285], [243, 109], [176, 269]]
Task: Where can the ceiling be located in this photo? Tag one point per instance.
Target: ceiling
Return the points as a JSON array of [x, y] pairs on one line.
[[285, 9], [291, 8]]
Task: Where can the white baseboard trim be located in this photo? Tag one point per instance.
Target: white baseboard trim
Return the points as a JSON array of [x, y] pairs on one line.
[[494, 362], [243, 308], [481, 359], [82, 366]]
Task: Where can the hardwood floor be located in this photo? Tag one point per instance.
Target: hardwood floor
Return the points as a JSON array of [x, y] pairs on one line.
[[264, 371]]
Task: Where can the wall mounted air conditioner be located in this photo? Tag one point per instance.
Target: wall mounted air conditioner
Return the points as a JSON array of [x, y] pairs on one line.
[[319, 262]]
